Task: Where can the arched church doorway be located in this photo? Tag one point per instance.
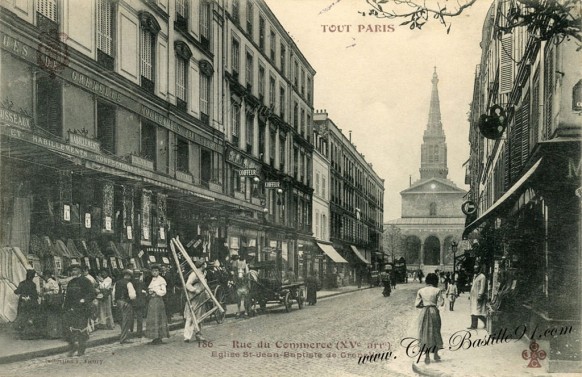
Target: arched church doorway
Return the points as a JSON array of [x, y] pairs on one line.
[[432, 250], [412, 250]]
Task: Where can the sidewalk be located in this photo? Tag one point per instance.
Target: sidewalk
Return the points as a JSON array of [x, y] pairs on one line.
[[503, 359], [13, 349]]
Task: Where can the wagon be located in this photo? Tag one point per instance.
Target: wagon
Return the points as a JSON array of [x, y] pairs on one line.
[[267, 286]]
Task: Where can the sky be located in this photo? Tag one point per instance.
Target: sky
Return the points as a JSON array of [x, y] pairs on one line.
[[378, 83]]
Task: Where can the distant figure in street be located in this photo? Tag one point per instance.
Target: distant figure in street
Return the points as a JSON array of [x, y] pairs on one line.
[[124, 294], [429, 320], [393, 279], [77, 309], [452, 294], [478, 298], [311, 285], [157, 321], [421, 275]]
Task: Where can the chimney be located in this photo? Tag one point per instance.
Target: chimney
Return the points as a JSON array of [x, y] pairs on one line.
[[410, 180], [350, 132]]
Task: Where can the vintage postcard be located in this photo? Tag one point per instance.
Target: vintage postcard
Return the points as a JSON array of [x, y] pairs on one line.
[[290, 187]]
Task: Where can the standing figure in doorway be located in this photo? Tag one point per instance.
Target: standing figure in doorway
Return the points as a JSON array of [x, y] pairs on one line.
[[478, 298]]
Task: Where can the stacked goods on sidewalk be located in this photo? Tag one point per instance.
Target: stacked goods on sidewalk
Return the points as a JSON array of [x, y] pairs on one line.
[[13, 266]]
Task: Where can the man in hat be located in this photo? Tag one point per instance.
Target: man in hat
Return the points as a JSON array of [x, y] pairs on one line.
[[197, 296], [140, 302], [77, 310], [124, 294]]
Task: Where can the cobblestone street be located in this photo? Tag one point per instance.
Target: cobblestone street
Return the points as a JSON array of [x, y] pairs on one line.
[[332, 335]]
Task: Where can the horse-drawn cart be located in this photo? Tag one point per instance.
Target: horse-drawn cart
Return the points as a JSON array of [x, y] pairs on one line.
[[268, 286]]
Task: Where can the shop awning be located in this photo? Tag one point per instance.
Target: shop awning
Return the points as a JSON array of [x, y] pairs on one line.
[[359, 254], [513, 191], [332, 253]]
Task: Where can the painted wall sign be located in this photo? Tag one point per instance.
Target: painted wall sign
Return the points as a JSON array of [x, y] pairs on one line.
[[15, 119]]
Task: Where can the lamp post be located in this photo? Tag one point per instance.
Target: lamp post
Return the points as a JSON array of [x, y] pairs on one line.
[[454, 246]]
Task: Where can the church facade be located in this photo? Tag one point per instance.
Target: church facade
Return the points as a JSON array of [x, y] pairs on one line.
[[431, 217]]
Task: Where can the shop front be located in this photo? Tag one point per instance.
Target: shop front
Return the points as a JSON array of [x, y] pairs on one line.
[[530, 241]]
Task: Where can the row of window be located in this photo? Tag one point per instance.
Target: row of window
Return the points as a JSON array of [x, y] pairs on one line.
[[301, 79]]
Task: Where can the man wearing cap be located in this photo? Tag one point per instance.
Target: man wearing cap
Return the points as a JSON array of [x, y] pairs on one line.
[[124, 294], [197, 296], [77, 310]]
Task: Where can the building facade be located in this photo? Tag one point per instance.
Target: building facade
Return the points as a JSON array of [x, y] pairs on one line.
[[431, 217], [525, 179], [356, 203], [130, 122]]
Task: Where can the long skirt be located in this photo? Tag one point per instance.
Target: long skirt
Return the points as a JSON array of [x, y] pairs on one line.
[[76, 323], [311, 294], [429, 328], [157, 321], [104, 313], [54, 322], [29, 320]]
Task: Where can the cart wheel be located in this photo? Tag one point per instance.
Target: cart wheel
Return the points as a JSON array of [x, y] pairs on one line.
[[220, 295], [287, 302], [300, 298]]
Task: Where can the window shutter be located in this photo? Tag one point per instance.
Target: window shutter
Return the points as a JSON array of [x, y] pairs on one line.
[[506, 64], [549, 80]]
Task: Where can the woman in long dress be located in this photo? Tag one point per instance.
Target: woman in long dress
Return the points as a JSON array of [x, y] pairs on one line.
[[429, 320], [156, 321], [52, 302], [28, 315], [104, 303]]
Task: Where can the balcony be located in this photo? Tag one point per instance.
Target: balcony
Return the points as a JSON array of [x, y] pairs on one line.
[[181, 23], [106, 61], [184, 177], [141, 162], [147, 84], [181, 104]]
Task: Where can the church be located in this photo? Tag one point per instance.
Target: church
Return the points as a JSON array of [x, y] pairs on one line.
[[431, 216]]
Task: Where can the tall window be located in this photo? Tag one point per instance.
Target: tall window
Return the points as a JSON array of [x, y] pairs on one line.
[[317, 183], [432, 209], [235, 121], [282, 102], [272, 147], [302, 82], [309, 90], [250, 18], [106, 126], [283, 58], [149, 32], [182, 14], [282, 152], [104, 29], [302, 122], [272, 92], [296, 75], [205, 24], [317, 234], [250, 129], [261, 83], [148, 140], [49, 104], [236, 10], [262, 33], [249, 70], [323, 186], [235, 51], [182, 155], [262, 131], [181, 75], [204, 97], [48, 8], [295, 115], [273, 43]]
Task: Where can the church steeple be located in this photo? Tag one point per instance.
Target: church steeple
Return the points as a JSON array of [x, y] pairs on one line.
[[434, 149]]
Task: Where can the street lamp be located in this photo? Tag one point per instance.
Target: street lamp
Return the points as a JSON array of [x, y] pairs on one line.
[[454, 246]]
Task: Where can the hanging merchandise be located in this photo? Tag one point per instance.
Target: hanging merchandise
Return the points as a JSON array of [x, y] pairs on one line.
[[146, 201], [107, 207], [161, 219], [128, 212], [65, 195]]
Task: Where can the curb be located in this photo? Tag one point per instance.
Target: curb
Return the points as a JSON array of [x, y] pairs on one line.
[[114, 338]]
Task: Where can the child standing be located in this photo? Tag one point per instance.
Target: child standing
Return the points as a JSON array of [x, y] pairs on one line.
[[452, 294], [429, 320]]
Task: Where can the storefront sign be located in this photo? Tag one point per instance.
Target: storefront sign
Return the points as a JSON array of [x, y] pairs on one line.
[[95, 86], [15, 119], [84, 142], [248, 172], [272, 184], [469, 207]]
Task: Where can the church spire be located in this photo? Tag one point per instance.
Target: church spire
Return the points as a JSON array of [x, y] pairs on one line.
[[434, 112], [434, 149]]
